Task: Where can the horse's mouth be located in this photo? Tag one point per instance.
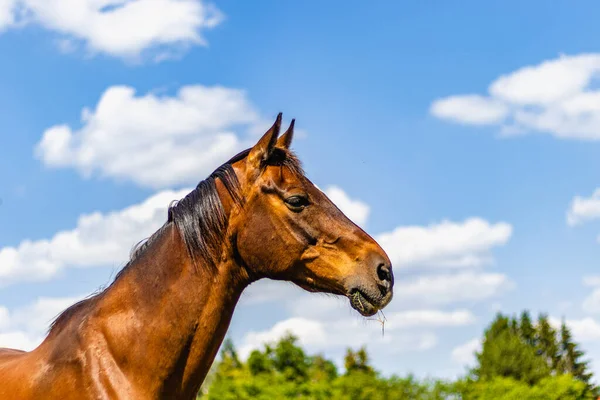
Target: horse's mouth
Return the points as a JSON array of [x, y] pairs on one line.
[[360, 300], [363, 303]]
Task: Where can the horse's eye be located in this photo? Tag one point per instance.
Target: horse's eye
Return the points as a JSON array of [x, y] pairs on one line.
[[296, 202]]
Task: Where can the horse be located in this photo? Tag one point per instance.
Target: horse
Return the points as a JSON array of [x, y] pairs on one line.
[[154, 332]]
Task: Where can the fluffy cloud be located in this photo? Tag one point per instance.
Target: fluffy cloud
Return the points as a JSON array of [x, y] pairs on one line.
[[98, 239], [7, 17], [413, 297], [584, 209], [584, 330], [557, 97], [19, 340], [336, 335], [309, 332], [121, 28], [4, 317], [464, 354], [320, 324], [470, 109], [356, 210], [267, 290], [592, 280], [327, 323], [152, 140], [36, 317], [26, 327], [591, 303], [447, 244], [439, 289], [430, 318]]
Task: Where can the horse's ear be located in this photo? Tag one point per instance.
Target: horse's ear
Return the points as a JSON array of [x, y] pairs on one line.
[[285, 140], [263, 149]]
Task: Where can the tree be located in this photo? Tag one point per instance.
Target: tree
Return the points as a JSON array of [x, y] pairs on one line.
[[545, 341], [229, 353], [518, 361], [259, 362], [570, 360], [526, 328], [322, 369], [563, 387], [290, 359], [357, 361], [529, 353], [505, 354], [282, 370]]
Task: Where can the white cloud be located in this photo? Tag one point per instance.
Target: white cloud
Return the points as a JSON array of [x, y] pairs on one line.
[[437, 289], [447, 244], [7, 10], [465, 353], [584, 209], [155, 141], [335, 335], [36, 317], [121, 28], [471, 109], [591, 303], [26, 327], [97, 240], [19, 340], [355, 210], [429, 318], [584, 330], [591, 280], [327, 323], [569, 75], [555, 97], [309, 332], [4, 317], [267, 290]]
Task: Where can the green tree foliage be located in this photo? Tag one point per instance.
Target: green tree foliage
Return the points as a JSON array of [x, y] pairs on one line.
[[528, 353], [561, 387], [357, 361], [546, 343], [570, 359], [284, 371], [519, 360], [526, 329], [505, 354]]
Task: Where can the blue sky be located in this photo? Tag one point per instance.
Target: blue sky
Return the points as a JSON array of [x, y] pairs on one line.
[[467, 177]]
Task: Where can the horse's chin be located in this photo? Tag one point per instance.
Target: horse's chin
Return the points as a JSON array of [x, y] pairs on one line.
[[366, 305]]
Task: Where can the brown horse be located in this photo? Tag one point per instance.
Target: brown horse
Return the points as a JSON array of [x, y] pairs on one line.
[[155, 331]]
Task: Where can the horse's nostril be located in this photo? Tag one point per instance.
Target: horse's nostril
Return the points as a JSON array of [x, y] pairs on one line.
[[383, 273]]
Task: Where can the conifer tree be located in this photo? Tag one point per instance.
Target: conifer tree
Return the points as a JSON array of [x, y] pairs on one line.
[[546, 343], [526, 328], [505, 354], [570, 361]]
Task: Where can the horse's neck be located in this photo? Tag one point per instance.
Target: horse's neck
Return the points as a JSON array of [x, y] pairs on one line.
[[164, 320]]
